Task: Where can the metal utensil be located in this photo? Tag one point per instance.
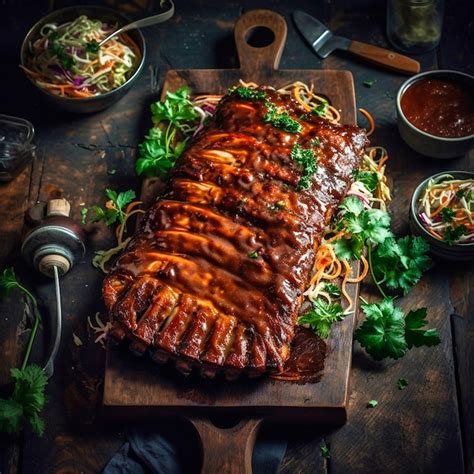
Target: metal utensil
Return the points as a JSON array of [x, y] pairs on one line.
[[148, 21], [324, 43]]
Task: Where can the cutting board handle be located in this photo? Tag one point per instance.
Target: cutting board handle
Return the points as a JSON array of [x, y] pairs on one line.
[[266, 32], [227, 450]]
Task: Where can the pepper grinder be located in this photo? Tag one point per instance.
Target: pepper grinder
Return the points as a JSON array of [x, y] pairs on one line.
[[53, 247]]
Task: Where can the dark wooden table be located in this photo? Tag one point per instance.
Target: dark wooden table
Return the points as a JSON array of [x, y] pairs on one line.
[[428, 427]]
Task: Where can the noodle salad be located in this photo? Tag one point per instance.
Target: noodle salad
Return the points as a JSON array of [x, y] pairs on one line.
[[66, 59]]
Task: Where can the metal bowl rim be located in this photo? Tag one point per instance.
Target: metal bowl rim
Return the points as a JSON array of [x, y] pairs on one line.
[[416, 78], [71, 100], [419, 225]]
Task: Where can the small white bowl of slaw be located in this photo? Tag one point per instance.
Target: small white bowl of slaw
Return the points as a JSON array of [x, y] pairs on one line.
[[61, 58], [442, 212]]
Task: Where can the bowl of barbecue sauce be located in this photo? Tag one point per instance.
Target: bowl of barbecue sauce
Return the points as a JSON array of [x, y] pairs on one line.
[[435, 112]]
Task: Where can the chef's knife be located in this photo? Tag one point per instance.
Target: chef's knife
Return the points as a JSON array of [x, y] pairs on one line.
[[324, 43]]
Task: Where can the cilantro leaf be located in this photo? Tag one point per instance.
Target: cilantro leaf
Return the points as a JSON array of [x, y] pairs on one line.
[[115, 211], [332, 289], [321, 317], [369, 179], [369, 83], [27, 401], [353, 205], [372, 403], [400, 263], [349, 248], [415, 335], [382, 334]]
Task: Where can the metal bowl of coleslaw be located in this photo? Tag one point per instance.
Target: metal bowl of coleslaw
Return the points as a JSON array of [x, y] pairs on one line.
[[442, 229], [89, 95]]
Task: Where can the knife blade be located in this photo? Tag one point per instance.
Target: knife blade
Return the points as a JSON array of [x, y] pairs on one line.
[[324, 42]]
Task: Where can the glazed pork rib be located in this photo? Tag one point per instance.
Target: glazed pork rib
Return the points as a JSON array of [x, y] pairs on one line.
[[214, 275]]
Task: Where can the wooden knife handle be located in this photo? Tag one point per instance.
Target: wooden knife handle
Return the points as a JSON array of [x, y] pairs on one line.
[[227, 450], [269, 30], [384, 57]]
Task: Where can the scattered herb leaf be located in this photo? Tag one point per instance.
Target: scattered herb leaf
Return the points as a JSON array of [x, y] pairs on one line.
[[372, 403], [402, 383], [92, 46], [452, 234], [325, 453], [369, 179], [369, 83], [115, 209], [307, 159], [447, 214], [321, 109], [84, 212], [254, 254]]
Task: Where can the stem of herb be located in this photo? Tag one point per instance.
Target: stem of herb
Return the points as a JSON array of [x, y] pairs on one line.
[[377, 284], [34, 329]]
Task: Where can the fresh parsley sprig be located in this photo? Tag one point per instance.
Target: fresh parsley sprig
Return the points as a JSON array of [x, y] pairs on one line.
[[387, 332], [166, 141], [115, 210], [307, 159], [281, 119], [28, 398], [321, 317]]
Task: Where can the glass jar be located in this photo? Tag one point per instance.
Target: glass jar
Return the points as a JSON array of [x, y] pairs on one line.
[[414, 26], [16, 149]]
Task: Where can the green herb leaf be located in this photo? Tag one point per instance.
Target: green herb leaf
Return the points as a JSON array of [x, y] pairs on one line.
[[92, 46], [382, 334], [348, 249], [321, 317], [369, 83], [369, 179], [8, 282], [307, 159], [315, 142], [325, 453], [447, 214], [453, 233], [332, 289], [402, 383], [27, 401], [281, 120], [250, 94], [321, 109], [416, 335], [254, 254], [117, 212], [399, 264], [372, 403], [84, 212]]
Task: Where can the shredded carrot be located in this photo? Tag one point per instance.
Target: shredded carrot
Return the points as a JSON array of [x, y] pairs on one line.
[[371, 120], [297, 96], [132, 205], [365, 270]]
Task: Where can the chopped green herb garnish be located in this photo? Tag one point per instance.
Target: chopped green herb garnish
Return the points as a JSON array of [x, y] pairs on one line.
[[92, 46], [279, 205], [372, 403], [369, 83], [402, 383], [447, 214], [321, 109], [307, 159], [250, 94], [281, 120], [254, 254], [325, 453], [315, 141], [452, 234], [84, 212]]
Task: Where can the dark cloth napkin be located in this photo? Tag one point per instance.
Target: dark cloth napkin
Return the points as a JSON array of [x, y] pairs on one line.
[[173, 448]]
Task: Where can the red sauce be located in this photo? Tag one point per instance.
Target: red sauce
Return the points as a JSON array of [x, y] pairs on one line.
[[440, 107]]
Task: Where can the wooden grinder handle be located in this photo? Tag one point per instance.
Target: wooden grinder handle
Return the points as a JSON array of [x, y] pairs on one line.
[[384, 57], [227, 450], [254, 61]]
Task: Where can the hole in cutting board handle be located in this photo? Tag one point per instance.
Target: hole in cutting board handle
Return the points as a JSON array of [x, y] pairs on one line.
[[260, 37], [225, 422]]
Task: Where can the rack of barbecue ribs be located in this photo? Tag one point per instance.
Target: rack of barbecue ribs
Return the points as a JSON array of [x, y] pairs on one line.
[[214, 276]]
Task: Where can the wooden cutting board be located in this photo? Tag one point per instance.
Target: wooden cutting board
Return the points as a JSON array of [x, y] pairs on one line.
[[136, 389]]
